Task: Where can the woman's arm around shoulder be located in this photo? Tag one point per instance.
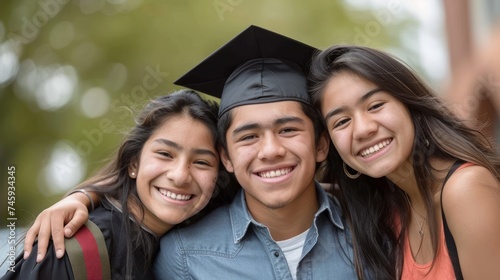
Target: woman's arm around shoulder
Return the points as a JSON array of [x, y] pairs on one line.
[[471, 201], [60, 220]]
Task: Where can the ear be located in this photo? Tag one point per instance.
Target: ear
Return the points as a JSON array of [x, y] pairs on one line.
[[133, 169], [322, 147], [226, 161]]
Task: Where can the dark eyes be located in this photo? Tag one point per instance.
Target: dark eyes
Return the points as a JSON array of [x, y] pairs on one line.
[[251, 137], [248, 137], [288, 130], [341, 122], [345, 120], [376, 106], [198, 162], [204, 163], [165, 154]]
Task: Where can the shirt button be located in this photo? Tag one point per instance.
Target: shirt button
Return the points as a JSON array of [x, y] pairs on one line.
[[276, 254]]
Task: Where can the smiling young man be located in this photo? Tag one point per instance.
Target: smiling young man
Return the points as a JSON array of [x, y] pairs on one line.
[[282, 224]]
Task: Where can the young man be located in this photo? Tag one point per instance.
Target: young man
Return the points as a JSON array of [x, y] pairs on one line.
[[282, 224]]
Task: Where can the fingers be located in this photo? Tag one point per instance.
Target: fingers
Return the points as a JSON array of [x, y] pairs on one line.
[[50, 223], [30, 237], [77, 215], [79, 218], [43, 239], [57, 224]]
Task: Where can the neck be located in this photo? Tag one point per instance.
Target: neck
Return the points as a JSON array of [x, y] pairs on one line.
[[404, 178], [147, 220], [290, 220]]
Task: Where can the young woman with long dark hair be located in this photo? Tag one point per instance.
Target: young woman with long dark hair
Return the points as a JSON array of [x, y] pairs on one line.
[[164, 173], [419, 188]]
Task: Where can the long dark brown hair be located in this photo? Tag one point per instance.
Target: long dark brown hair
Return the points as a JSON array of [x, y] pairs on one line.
[[370, 204], [113, 179]]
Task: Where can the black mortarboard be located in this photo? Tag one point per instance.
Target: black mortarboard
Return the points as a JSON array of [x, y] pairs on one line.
[[256, 66]]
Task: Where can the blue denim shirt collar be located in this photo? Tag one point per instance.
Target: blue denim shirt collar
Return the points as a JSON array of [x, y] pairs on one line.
[[241, 218]]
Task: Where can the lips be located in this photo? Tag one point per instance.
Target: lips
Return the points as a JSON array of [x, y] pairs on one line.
[[174, 196], [375, 148], [275, 173]]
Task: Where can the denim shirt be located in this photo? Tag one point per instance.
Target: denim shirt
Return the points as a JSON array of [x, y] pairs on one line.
[[229, 244]]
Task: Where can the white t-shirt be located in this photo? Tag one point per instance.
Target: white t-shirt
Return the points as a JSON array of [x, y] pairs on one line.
[[292, 248]]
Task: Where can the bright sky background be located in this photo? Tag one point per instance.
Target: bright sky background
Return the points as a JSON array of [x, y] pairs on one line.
[[430, 40]]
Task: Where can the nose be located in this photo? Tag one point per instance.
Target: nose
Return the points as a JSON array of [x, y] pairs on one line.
[[271, 147], [179, 173], [363, 126]]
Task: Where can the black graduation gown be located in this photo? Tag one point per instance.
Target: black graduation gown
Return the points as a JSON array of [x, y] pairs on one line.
[[109, 221]]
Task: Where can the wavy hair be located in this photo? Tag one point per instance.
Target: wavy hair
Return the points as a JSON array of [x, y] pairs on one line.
[[113, 179], [369, 204]]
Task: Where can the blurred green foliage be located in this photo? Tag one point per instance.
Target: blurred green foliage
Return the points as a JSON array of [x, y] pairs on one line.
[[131, 51]]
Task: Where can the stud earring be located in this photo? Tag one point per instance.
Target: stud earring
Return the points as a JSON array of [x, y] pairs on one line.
[[351, 176], [132, 174]]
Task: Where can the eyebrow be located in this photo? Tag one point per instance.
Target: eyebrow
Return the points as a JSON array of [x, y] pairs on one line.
[[360, 100], [180, 148], [280, 121]]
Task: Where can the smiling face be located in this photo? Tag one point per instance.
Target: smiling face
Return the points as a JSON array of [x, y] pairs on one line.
[[371, 130], [272, 152], [176, 173]]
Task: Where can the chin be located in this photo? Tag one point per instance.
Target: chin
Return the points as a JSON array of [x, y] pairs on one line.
[[277, 204]]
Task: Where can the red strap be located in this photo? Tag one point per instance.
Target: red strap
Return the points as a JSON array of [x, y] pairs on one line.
[[90, 253], [467, 164]]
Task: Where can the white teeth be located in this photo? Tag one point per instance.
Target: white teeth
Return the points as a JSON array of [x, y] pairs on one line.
[[275, 173], [369, 151], [174, 196]]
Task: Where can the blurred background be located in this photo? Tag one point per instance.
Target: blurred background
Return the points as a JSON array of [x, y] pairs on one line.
[[73, 73]]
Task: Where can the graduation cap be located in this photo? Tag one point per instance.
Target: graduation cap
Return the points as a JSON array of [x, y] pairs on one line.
[[256, 66]]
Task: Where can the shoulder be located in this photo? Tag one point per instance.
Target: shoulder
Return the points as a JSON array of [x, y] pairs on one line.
[[471, 202], [89, 251], [208, 234], [105, 217], [214, 225], [472, 184], [109, 222], [49, 268]]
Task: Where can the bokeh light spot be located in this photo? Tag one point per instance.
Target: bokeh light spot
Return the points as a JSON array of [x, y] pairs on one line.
[[9, 64], [62, 35], [57, 90], [64, 170], [95, 102]]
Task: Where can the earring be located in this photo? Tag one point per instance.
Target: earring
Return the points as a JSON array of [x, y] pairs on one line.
[[352, 176], [132, 174], [426, 142]]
